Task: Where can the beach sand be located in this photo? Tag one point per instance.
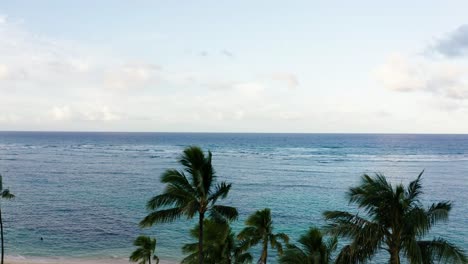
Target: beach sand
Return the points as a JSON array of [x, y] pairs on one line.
[[18, 260]]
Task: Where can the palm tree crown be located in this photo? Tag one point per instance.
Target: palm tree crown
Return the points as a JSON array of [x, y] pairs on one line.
[[190, 191], [220, 245], [260, 230], [395, 222], [313, 250], [145, 251]]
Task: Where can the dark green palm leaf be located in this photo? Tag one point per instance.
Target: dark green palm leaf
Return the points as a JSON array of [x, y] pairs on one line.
[[442, 251], [161, 216]]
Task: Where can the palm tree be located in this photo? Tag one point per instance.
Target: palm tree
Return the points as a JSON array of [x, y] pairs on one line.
[[219, 245], [314, 249], [188, 192], [4, 194], [395, 221], [260, 230], [145, 251]]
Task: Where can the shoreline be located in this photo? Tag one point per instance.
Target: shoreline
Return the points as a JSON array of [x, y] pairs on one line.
[[71, 260]]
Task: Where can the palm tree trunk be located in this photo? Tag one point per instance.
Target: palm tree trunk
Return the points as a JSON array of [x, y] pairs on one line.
[[394, 256], [1, 231], [149, 260], [263, 258], [200, 238]]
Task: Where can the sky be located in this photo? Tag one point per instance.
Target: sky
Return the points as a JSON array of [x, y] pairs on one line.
[[234, 66]]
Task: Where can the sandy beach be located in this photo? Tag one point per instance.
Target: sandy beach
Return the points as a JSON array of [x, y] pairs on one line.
[[21, 260]]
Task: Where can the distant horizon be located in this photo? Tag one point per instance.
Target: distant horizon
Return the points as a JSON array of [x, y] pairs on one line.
[[226, 132]]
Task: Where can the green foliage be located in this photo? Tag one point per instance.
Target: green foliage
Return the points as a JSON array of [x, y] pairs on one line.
[[395, 220], [190, 191], [144, 253], [260, 230], [5, 193], [219, 245], [312, 250]]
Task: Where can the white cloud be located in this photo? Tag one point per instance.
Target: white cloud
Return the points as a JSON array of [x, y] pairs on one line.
[[3, 19], [287, 78], [3, 71], [249, 89], [132, 76], [83, 113], [418, 74], [101, 114], [61, 113], [8, 118]]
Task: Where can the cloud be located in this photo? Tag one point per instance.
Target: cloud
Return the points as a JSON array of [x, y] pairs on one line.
[[454, 44], [132, 76], [87, 113], [271, 81], [399, 74], [3, 72], [62, 113], [442, 78], [227, 53], [249, 89], [102, 113], [30, 59], [287, 78], [61, 83]]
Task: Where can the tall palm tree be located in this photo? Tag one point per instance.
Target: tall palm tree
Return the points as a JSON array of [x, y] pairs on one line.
[[220, 245], [7, 195], [395, 221], [314, 249], [145, 251], [260, 230], [188, 192]]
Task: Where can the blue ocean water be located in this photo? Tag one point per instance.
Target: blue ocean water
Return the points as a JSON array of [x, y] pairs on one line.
[[85, 193]]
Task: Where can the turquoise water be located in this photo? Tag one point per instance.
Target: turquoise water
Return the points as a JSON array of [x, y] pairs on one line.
[[84, 193]]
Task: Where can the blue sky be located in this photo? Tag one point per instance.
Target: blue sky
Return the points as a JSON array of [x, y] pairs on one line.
[[234, 66]]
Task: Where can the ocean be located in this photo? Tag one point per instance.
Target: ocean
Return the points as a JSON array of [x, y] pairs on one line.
[[84, 193]]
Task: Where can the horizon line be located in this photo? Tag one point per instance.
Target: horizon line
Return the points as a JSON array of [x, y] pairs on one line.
[[225, 132]]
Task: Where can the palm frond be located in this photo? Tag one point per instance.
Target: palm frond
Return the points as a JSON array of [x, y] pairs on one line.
[[416, 222], [172, 196], [222, 212], [368, 235], [274, 243], [415, 188], [221, 191], [243, 258], [439, 212], [138, 255], [282, 236], [177, 178], [412, 250], [248, 232], [350, 255], [161, 216], [208, 174], [441, 250], [6, 194], [294, 255]]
